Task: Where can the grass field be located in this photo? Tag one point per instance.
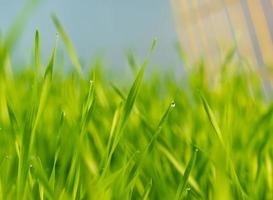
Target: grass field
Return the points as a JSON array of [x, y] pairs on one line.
[[79, 135]]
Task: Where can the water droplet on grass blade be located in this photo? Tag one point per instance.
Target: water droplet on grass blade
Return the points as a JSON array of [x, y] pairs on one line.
[[173, 104]]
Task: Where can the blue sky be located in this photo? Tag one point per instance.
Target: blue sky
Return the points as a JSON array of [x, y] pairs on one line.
[[99, 27]]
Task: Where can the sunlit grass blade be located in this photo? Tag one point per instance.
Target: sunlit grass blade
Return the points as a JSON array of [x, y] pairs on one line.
[[135, 87], [52, 178], [113, 130], [212, 120], [88, 106], [127, 108], [17, 27], [76, 184], [261, 123], [183, 183], [149, 147], [180, 168], [37, 52], [40, 174], [31, 124], [79, 152], [147, 190], [12, 117], [159, 127], [226, 152], [43, 96], [68, 44]]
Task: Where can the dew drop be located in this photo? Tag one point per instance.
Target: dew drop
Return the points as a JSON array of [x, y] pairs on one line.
[[173, 104]]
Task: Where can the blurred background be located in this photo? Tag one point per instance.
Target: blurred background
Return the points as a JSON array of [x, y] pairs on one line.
[[108, 29], [98, 28], [244, 25]]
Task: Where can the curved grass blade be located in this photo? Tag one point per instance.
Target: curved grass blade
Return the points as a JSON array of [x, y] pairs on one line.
[[128, 105], [86, 112], [31, 124], [68, 44], [44, 93], [212, 120], [88, 106], [127, 108], [37, 52], [12, 117], [40, 174], [180, 168], [159, 127], [262, 122], [183, 183], [149, 147], [147, 190], [218, 132]]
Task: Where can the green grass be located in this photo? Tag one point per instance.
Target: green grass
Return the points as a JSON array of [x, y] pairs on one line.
[[78, 135]]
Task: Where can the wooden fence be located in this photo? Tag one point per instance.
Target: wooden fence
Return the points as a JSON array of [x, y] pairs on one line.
[[208, 28]]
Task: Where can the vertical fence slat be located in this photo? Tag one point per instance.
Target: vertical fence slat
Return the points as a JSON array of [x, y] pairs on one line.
[[211, 30], [252, 33], [232, 31], [202, 24], [268, 13], [241, 33], [186, 31], [262, 30]]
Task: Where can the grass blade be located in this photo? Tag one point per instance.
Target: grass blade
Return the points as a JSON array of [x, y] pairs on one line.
[[37, 52], [183, 183], [127, 108], [68, 44], [31, 124], [212, 120], [217, 130], [128, 105], [147, 190]]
